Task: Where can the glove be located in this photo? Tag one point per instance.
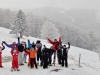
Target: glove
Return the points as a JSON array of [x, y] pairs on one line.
[[3, 42], [68, 43], [46, 37], [28, 40]]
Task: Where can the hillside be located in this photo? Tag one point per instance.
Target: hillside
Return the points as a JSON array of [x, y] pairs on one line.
[[86, 19], [90, 64], [80, 27]]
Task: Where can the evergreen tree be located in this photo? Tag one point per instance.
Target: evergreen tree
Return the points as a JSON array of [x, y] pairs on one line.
[[20, 24]]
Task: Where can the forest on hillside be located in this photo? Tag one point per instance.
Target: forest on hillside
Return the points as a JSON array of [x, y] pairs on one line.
[[80, 27]]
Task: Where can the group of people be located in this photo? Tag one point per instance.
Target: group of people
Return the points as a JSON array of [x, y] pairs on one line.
[[37, 55]]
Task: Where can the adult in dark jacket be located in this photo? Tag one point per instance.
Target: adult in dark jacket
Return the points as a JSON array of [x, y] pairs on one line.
[[65, 55], [39, 53]]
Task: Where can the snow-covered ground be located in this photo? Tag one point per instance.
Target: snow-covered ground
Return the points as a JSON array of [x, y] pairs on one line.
[[90, 64]]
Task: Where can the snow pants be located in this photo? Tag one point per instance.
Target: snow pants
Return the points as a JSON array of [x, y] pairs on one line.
[[59, 56], [39, 57], [49, 59], [0, 59], [15, 61], [45, 62], [31, 62], [64, 61]]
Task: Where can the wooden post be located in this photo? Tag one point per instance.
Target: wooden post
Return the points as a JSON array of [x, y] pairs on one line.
[[79, 60]]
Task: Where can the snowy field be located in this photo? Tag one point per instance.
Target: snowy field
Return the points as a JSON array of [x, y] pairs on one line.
[[90, 64]]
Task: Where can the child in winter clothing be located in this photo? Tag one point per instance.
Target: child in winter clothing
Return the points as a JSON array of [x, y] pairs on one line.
[[14, 53], [45, 57], [50, 52], [39, 53], [14, 60], [32, 54], [1, 48], [25, 52], [65, 55]]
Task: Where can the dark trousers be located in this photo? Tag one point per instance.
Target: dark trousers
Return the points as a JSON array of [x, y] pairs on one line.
[[64, 61], [49, 59], [39, 56], [45, 62], [59, 56], [33, 60]]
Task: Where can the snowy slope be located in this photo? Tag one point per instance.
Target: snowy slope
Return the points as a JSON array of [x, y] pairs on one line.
[[90, 64]]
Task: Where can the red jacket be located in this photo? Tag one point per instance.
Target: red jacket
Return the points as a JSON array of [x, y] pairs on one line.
[[14, 55], [16, 48], [55, 44]]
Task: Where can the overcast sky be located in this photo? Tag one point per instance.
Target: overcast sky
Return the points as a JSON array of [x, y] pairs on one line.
[[68, 4]]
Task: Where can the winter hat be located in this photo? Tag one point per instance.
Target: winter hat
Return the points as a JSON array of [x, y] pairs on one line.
[[32, 49], [38, 41], [14, 43], [44, 46]]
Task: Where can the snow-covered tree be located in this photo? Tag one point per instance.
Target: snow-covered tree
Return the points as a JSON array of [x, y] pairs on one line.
[[49, 30], [20, 24]]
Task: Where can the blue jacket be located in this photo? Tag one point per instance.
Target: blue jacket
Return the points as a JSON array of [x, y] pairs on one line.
[[13, 46]]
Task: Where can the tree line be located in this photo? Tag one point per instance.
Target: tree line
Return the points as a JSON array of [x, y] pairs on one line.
[[29, 24]]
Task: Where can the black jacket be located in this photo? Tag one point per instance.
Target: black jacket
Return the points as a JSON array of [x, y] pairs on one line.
[[21, 48], [45, 52], [65, 50], [50, 51], [39, 48]]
